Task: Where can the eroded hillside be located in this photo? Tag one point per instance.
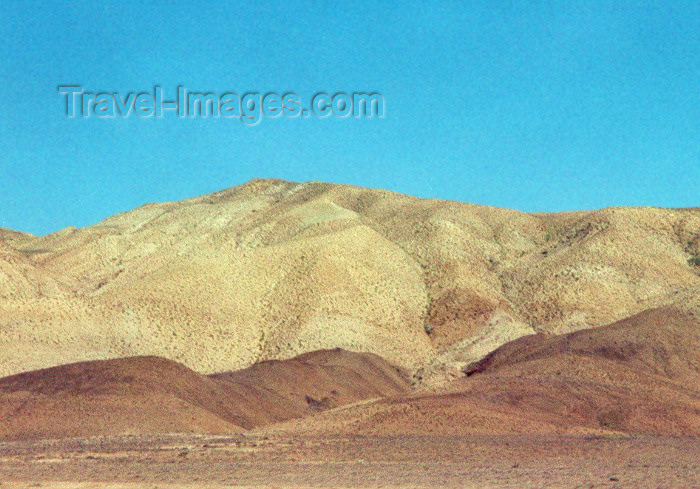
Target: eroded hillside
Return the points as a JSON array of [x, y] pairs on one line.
[[152, 395], [637, 376], [272, 269]]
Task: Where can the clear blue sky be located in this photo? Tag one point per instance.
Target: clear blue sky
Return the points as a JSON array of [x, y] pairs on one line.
[[552, 107]]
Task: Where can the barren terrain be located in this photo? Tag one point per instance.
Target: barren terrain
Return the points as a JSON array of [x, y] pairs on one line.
[[314, 335], [640, 376], [407, 461], [272, 269], [151, 395]]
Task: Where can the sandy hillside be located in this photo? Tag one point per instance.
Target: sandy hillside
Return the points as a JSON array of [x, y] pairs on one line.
[[638, 376], [272, 269], [152, 395]]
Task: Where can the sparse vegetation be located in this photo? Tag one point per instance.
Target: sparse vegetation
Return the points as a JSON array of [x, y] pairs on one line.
[[244, 289], [34, 251]]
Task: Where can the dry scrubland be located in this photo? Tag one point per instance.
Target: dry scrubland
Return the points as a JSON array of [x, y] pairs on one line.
[[272, 269]]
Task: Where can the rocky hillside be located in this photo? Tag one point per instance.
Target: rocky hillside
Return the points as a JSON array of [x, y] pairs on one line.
[[272, 269]]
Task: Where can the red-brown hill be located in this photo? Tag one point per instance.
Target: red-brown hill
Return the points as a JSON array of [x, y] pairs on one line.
[[135, 395], [277, 390], [150, 395], [638, 376]]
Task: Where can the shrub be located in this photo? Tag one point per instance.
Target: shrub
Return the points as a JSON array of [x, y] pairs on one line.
[[694, 261]]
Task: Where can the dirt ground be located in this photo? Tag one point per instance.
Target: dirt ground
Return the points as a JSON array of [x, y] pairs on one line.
[[275, 461]]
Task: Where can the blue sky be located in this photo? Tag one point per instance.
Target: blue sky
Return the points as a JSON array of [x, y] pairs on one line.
[[535, 106]]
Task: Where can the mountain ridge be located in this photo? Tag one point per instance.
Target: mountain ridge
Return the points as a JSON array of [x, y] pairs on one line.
[[272, 269]]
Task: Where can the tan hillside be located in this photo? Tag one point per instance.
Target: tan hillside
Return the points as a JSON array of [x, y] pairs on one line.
[[14, 238], [21, 280], [638, 376], [272, 269], [152, 395]]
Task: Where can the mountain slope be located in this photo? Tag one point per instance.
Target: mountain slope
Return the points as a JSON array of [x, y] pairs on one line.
[[638, 376], [272, 269]]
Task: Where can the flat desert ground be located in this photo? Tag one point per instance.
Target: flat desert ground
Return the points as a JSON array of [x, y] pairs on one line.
[[268, 461]]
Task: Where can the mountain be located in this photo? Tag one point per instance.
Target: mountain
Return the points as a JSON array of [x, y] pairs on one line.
[[272, 269]]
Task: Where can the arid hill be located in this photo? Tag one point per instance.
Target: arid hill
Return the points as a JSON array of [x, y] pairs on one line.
[[124, 396], [277, 390], [272, 269], [14, 238], [638, 376], [152, 395]]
